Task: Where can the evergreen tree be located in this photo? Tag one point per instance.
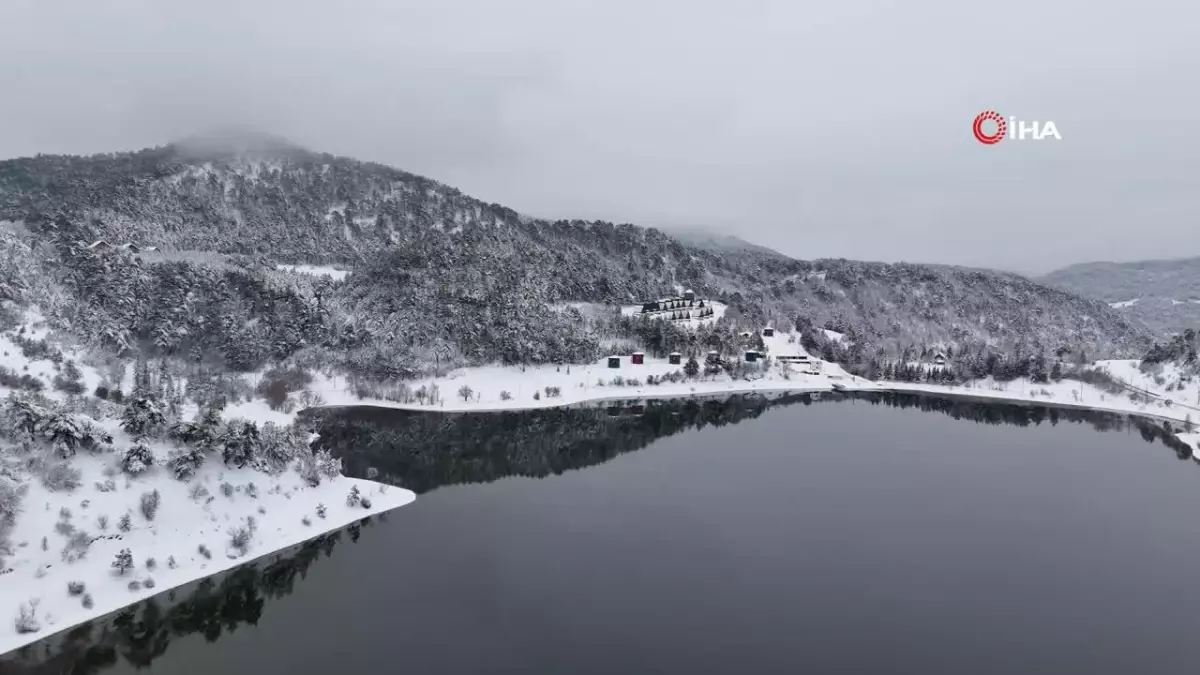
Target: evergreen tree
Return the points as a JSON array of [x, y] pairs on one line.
[[239, 443], [1056, 373], [691, 368], [137, 459], [123, 562], [142, 417]]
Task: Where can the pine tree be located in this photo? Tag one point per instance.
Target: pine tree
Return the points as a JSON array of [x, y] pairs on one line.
[[142, 417], [123, 562], [137, 459], [239, 443], [691, 368], [185, 462]]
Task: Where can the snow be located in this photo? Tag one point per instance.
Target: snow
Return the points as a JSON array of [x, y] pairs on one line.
[[180, 526], [190, 514], [718, 309], [834, 335], [1124, 303], [315, 270]]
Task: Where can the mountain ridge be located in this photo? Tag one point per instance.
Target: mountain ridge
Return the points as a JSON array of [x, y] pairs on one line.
[[435, 269], [1163, 294]]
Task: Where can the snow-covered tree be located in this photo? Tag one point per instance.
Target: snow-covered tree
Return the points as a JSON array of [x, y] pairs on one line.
[[327, 465], [239, 442], [142, 417], [137, 459], [185, 462], [691, 368], [123, 561]]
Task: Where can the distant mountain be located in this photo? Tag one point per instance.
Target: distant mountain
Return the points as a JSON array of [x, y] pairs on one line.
[[1162, 294], [440, 277], [722, 243]]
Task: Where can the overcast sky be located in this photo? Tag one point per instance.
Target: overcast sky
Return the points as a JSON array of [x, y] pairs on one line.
[[834, 128]]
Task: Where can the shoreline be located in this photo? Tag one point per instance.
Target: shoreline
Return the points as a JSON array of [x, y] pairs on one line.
[[58, 612], [1107, 403]]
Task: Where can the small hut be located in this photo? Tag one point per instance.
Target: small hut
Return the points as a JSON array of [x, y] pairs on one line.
[[674, 358], [752, 356], [637, 358], [689, 295], [939, 359], [768, 332], [614, 362], [713, 357]]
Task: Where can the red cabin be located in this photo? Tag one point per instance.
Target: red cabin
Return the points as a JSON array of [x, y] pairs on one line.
[[638, 358]]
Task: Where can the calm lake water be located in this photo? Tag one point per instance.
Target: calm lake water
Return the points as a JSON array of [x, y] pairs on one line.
[[883, 534]]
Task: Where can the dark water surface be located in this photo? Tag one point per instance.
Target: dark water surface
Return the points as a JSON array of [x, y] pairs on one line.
[[857, 535]]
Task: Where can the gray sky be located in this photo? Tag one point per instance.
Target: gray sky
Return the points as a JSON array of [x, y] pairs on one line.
[[818, 128]]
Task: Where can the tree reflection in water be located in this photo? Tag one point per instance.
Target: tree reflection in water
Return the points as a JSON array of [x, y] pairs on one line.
[[212, 607], [424, 451]]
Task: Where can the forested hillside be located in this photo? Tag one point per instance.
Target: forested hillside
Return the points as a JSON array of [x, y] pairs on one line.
[[437, 276], [1162, 294]]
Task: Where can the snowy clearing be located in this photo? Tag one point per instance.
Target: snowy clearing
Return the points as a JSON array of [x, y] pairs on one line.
[[718, 309], [1124, 303], [315, 270]]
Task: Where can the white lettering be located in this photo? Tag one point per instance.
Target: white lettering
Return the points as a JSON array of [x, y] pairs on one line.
[[1012, 128], [1049, 129], [1031, 129]]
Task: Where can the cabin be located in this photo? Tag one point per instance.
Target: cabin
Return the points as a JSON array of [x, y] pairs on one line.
[[713, 357], [637, 358], [99, 245], [689, 295], [746, 334], [753, 356], [648, 307], [939, 359], [768, 332], [674, 358], [794, 358], [614, 362]]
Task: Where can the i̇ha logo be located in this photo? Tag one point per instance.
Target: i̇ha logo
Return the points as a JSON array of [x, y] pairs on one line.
[[990, 128]]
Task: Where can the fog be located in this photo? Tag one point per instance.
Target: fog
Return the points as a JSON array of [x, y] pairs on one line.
[[821, 129]]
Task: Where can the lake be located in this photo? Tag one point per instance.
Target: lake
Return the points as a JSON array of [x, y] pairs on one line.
[[876, 533]]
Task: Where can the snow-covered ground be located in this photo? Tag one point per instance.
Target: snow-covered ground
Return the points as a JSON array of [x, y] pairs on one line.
[[315, 270], [833, 335], [1124, 303], [71, 533], [167, 551], [514, 387]]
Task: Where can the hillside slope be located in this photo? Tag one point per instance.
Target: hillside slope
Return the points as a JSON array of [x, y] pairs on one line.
[[1162, 294], [438, 276]]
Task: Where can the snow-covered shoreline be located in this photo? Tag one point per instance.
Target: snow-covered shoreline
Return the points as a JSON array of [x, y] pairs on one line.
[[73, 505], [178, 539], [576, 387]]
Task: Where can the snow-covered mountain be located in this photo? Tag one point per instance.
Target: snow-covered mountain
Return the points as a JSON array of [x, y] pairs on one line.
[[436, 276], [1162, 294]]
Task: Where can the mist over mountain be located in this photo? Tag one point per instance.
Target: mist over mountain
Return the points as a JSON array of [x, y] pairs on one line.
[[438, 276], [1162, 294]]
